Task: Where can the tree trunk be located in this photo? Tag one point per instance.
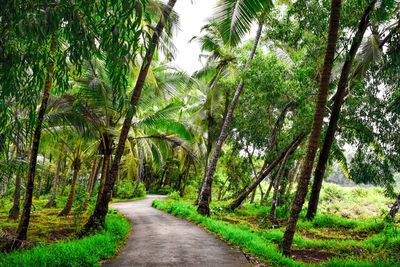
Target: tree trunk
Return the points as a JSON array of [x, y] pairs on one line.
[[282, 188], [96, 174], [205, 192], [37, 195], [185, 181], [104, 172], [77, 166], [274, 202], [56, 180], [271, 184], [261, 192], [163, 175], [14, 211], [25, 216], [335, 113], [92, 174], [98, 217], [313, 141], [290, 148], [293, 179], [395, 208], [47, 186]]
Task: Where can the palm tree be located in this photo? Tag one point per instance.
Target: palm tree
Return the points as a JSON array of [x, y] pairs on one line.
[[101, 209], [313, 140], [334, 118], [235, 18], [25, 216], [56, 180]]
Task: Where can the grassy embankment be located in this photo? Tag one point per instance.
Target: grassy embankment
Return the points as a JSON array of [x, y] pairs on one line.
[[52, 239], [349, 231]]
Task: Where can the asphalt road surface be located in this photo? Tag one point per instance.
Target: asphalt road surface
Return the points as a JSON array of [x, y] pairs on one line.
[[160, 239]]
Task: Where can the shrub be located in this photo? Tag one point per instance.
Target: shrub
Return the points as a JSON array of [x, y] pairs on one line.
[[139, 191], [332, 193], [174, 195], [359, 192]]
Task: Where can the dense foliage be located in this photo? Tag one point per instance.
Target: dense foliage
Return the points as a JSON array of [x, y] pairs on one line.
[[91, 110]]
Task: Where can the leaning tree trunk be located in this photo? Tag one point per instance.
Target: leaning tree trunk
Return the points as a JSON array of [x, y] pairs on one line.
[[97, 219], [76, 166], [338, 101], [205, 192], [56, 181], [395, 208], [245, 193], [313, 141], [25, 216]]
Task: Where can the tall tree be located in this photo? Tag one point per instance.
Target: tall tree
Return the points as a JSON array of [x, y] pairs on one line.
[[25, 216], [335, 112], [239, 16], [97, 219], [313, 140]]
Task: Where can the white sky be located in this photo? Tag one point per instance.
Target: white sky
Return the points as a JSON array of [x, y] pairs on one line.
[[193, 15]]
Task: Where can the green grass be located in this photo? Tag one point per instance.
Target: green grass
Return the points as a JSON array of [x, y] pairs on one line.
[[376, 249], [87, 251], [116, 199]]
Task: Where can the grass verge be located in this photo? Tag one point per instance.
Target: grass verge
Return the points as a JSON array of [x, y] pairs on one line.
[[252, 241], [88, 251]]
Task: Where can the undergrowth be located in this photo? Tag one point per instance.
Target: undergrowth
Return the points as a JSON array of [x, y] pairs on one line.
[[87, 251]]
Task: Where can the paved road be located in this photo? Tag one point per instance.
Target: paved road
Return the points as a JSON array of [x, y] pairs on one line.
[[160, 239]]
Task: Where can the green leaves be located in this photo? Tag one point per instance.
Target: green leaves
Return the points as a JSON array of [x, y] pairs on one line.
[[235, 17]]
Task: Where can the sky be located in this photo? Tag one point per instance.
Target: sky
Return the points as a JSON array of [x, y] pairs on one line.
[[193, 15]]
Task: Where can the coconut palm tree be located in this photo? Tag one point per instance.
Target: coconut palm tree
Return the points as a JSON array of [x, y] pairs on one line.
[[101, 209], [235, 19], [313, 140]]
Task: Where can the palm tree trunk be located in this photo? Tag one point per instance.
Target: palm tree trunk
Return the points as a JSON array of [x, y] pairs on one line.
[[335, 113], [313, 141], [77, 166], [271, 184], [274, 202], [25, 216], [14, 211], [293, 179], [56, 181], [39, 189], [205, 192], [289, 149], [96, 174], [92, 174], [395, 208], [98, 217], [47, 186]]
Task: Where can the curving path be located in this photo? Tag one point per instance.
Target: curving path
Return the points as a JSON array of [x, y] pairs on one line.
[[160, 239]]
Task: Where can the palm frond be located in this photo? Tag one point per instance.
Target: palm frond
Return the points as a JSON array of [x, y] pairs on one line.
[[235, 17]]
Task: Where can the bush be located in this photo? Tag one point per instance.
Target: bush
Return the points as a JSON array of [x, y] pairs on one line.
[[332, 193], [174, 195], [359, 192], [127, 190], [140, 190]]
